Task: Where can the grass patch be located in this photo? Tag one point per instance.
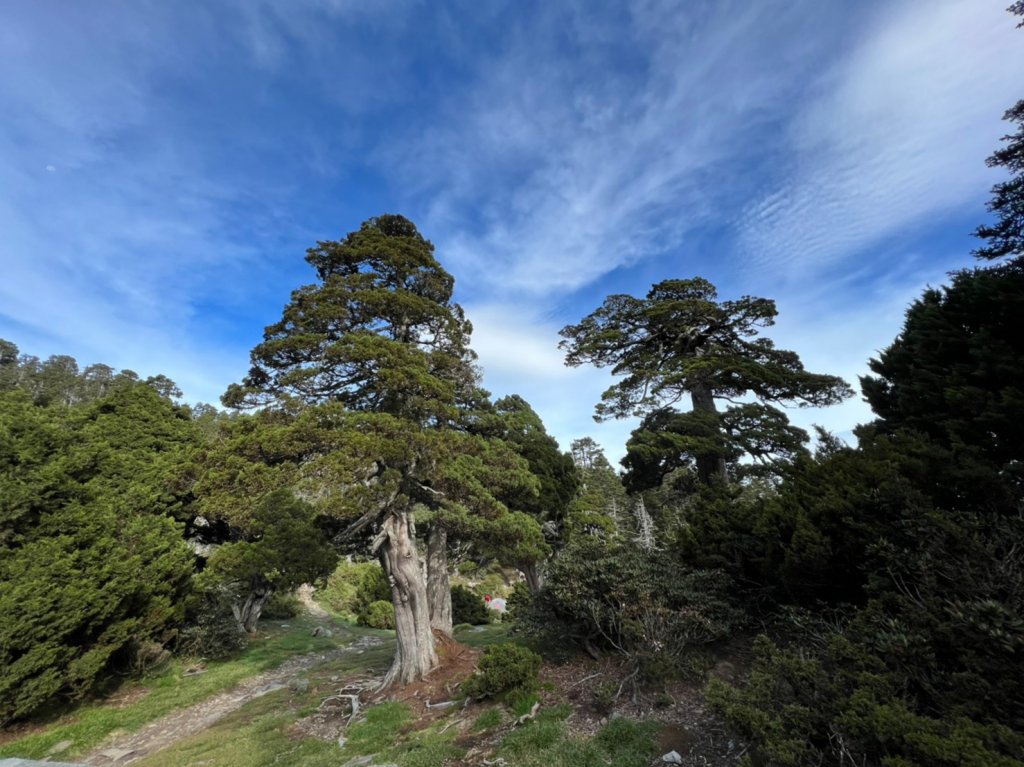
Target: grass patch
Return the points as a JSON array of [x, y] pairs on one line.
[[382, 725], [169, 690], [481, 636], [492, 717], [546, 742]]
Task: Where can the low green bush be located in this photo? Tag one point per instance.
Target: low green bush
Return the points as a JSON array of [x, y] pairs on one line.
[[211, 630], [836, 703], [281, 606], [352, 587], [378, 615], [504, 668], [467, 607]]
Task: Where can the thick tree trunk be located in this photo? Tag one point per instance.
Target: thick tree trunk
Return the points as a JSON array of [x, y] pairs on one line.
[[414, 655], [248, 613], [534, 575], [439, 590], [709, 466]]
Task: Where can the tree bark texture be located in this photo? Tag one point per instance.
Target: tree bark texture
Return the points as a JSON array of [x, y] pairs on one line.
[[414, 655], [248, 613], [439, 590], [534, 576], [709, 467]]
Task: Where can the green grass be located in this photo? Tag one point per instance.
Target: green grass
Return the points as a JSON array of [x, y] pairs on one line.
[[489, 719], [481, 636], [89, 724], [259, 735], [547, 742]]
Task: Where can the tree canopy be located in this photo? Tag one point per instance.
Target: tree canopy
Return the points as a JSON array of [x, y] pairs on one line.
[[681, 341]]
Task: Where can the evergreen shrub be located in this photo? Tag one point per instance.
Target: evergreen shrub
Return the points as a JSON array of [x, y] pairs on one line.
[[467, 607], [378, 615], [504, 668]]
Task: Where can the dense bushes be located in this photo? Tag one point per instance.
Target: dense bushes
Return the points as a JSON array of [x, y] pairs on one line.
[[352, 587], [643, 604], [467, 607], [837, 703], [211, 630], [92, 563], [504, 668], [378, 615]]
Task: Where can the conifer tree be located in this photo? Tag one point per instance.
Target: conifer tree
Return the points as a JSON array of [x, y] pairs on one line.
[[682, 342]]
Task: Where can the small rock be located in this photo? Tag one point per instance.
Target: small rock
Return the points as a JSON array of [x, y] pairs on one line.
[[615, 715], [359, 761], [116, 754], [342, 740], [64, 745], [320, 631], [298, 685], [672, 757]]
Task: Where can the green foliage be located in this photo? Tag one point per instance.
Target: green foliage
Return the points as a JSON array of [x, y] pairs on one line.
[[282, 606], [488, 720], [504, 668], [955, 374], [378, 615], [681, 341], [92, 561], [1005, 237], [352, 587], [513, 420], [599, 508], [467, 607], [836, 702], [519, 601], [210, 630], [547, 742], [646, 606], [278, 547]]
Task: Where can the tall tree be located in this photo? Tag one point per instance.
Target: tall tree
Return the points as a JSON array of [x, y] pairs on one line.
[[1005, 237], [377, 354], [514, 421], [955, 371], [681, 342], [92, 560]]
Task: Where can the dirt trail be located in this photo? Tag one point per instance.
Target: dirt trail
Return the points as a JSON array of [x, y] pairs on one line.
[[184, 723]]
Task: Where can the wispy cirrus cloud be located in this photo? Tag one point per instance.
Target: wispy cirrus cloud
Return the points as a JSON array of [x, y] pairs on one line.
[[896, 137], [589, 144]]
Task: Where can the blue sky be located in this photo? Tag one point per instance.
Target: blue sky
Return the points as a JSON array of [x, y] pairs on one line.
[[164, 166]]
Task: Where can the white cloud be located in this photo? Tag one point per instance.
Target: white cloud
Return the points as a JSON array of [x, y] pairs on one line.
[[587, 155], [898, 136], [519, 355]]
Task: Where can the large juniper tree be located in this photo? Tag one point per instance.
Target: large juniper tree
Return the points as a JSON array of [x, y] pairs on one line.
[[374, 358], [682, 342]]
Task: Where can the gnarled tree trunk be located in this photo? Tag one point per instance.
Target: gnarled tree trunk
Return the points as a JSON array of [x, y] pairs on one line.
[[248, 613], [439, 590], [534, 575], [396, 547]]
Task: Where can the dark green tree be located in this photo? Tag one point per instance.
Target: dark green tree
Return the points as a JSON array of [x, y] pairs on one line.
[[601, 504], [956, 372], [92, 560], [277, 548], [681, 342], [512, 420], [1005, 237], [375, 362]]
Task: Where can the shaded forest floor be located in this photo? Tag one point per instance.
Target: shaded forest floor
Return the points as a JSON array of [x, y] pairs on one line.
[[288, 700]]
